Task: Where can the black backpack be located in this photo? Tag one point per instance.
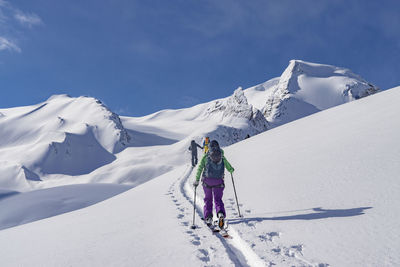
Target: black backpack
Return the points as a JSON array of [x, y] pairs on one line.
[[215, 152]]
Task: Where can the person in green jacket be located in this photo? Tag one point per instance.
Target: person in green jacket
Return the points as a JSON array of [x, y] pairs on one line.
[[212, 169]]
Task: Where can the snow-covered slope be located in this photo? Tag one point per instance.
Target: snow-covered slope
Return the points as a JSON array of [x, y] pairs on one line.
[[63, 135], [319, 191], [20, 208], [66, 141], [305, 88], [228, 120], [325, 187], [78, 140], [258, 95], [54, 154]]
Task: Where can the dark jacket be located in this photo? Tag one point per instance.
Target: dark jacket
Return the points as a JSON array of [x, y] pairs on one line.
[[193, 147]]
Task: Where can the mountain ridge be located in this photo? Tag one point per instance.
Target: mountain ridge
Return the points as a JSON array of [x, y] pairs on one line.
[[81, 137]]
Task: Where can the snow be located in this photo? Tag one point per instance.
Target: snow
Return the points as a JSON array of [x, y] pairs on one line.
[[258, 94], [63, 135], [305, 88], [327, 182], [88, 187], [23, 208]]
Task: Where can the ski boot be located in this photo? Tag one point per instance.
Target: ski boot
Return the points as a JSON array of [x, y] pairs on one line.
[[221, 220], [209, 221]]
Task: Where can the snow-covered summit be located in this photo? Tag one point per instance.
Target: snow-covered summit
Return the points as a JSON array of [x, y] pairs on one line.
[[66, 136], [236, 107], [62, 135], [65, 114], [336, 205], [305, 88], [231, 119]]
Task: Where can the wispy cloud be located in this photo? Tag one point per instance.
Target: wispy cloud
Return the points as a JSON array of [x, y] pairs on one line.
[[13, 24], [28, 20], [6, 44]]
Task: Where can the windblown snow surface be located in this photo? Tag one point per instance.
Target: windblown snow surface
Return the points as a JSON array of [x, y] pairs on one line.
[[319, 191]]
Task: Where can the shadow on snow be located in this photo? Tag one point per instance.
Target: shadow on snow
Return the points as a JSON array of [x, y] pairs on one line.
[[318, 213]]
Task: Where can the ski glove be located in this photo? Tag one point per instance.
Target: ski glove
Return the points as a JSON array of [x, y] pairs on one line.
[[232, 170], [196, 183]]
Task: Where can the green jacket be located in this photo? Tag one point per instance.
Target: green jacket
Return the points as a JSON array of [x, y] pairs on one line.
[[203, 162]]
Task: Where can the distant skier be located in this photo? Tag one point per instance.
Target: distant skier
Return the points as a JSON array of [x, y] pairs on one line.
[[205, 144], [193, 148], [212, 167]]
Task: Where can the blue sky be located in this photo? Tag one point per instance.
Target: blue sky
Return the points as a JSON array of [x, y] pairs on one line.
[[143, 56]]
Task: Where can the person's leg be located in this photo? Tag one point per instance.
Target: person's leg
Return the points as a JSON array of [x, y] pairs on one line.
[[208, 202], [219, 204]]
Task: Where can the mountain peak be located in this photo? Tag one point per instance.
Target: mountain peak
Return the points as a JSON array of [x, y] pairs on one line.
[[60, 96], [311, 87], [84, 110], [235, 118], [62, 130]]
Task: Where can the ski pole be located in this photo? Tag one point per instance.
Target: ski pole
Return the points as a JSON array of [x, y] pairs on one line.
[[194, 207], [234, 189]]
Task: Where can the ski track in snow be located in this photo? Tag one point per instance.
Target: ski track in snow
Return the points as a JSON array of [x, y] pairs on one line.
[[260, 248], [211, 253], [210, 249]]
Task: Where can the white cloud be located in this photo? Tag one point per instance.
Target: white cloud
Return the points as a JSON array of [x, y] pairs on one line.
[[27, 19], [6, 44], [13, 24]]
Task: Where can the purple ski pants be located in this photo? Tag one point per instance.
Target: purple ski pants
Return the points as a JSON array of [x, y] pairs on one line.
[[215, 191]]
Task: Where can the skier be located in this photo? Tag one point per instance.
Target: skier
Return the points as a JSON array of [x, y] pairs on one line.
[[205, 144], [212, 167], [193, 148]]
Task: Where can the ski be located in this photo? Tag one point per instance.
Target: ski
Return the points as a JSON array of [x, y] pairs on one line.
[[222, 231], [211, 226], [216, 230]]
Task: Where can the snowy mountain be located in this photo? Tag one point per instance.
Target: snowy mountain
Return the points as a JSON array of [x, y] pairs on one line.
[[67, 140], [320, 191], [62, 135], [228, 119], [305, 88], [307, 200], [237, 118]]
